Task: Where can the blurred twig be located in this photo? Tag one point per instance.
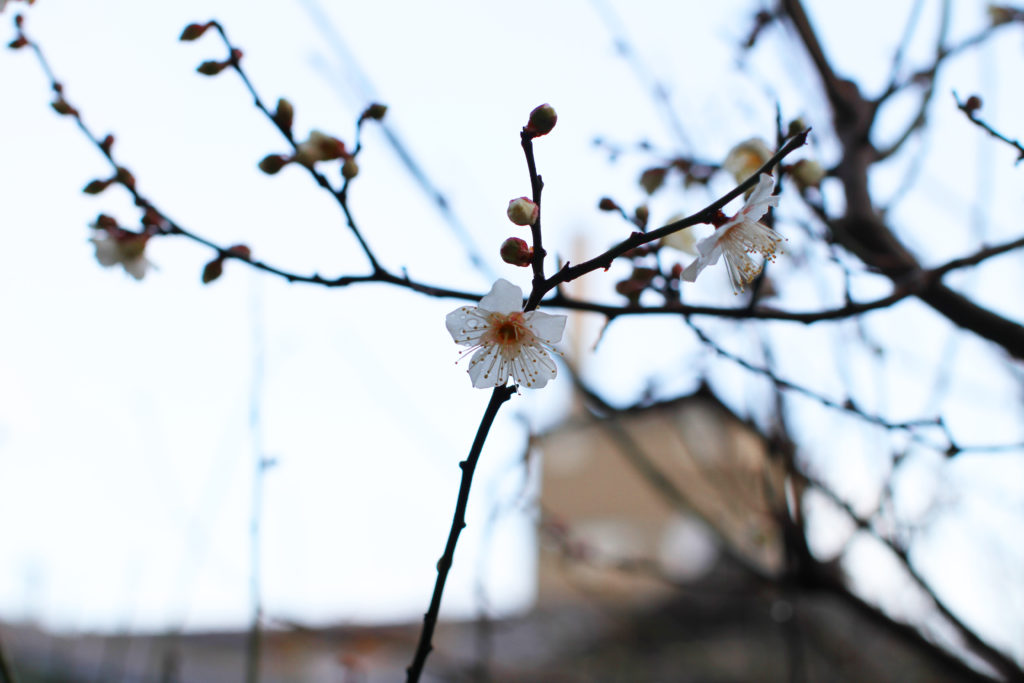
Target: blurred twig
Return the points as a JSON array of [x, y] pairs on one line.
[[970, 108]]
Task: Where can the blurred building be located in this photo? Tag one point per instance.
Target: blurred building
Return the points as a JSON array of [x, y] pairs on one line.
[[662, 558]]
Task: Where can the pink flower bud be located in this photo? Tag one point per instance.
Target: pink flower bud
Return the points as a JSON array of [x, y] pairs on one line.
[[516, 252], [542, 120], [522, 211]]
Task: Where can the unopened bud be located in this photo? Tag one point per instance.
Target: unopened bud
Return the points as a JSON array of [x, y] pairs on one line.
[[652, 179], [1000, 14], [972, 104], [240, 251], [797, 125], [125, 177], [516, 252], [211, 68], [193, 31], [641, 215], [349, 169], [18, 42], [807, 173], [631, 289], [96, 186], [320, 147], [542, 120], [375, 112], [272, 163], [284, 115], [522, 211], [61, 106], [213, 270], [607, 204]]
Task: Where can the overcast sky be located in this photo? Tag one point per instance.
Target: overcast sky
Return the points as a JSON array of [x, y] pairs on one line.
[[126, 438]]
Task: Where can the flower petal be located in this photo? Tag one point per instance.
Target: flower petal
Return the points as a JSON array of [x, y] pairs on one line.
[[487, 368], [548, 328], [136, 267], [504, 297], [760, 199], [709, 247], [107, 252], [466, 325], [691, 271]]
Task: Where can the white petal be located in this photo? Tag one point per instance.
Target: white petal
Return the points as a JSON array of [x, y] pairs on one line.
[[544, 371], [760, 199], [708, 247], [487, 368], [137, 267], [548, 328], [466, 325], [504, 297], [691, 271], [107, 252]]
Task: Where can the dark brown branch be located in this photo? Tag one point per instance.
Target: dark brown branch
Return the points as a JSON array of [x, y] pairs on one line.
[[339, 195], [444, 565], [536, 187], [861, 230], [604, 261]]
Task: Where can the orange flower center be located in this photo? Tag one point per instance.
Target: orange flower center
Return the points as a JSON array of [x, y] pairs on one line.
[[509, 330]]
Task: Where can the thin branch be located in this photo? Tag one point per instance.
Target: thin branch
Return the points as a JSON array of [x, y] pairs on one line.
[[919, 120], [380, 275], [657, 90], [604, 261], [444, 565], [322, 21], [536, 187], [998, 660], [970, 110], [908, 33], [778, 382], [234, 59]]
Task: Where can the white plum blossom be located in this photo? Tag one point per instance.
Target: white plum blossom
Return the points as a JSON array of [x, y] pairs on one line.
[[128, 249], [507, 340], [739, 237]]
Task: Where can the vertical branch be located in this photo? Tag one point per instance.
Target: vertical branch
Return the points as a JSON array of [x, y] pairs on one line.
[[444, 565], [260, 463], [536, 187]]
